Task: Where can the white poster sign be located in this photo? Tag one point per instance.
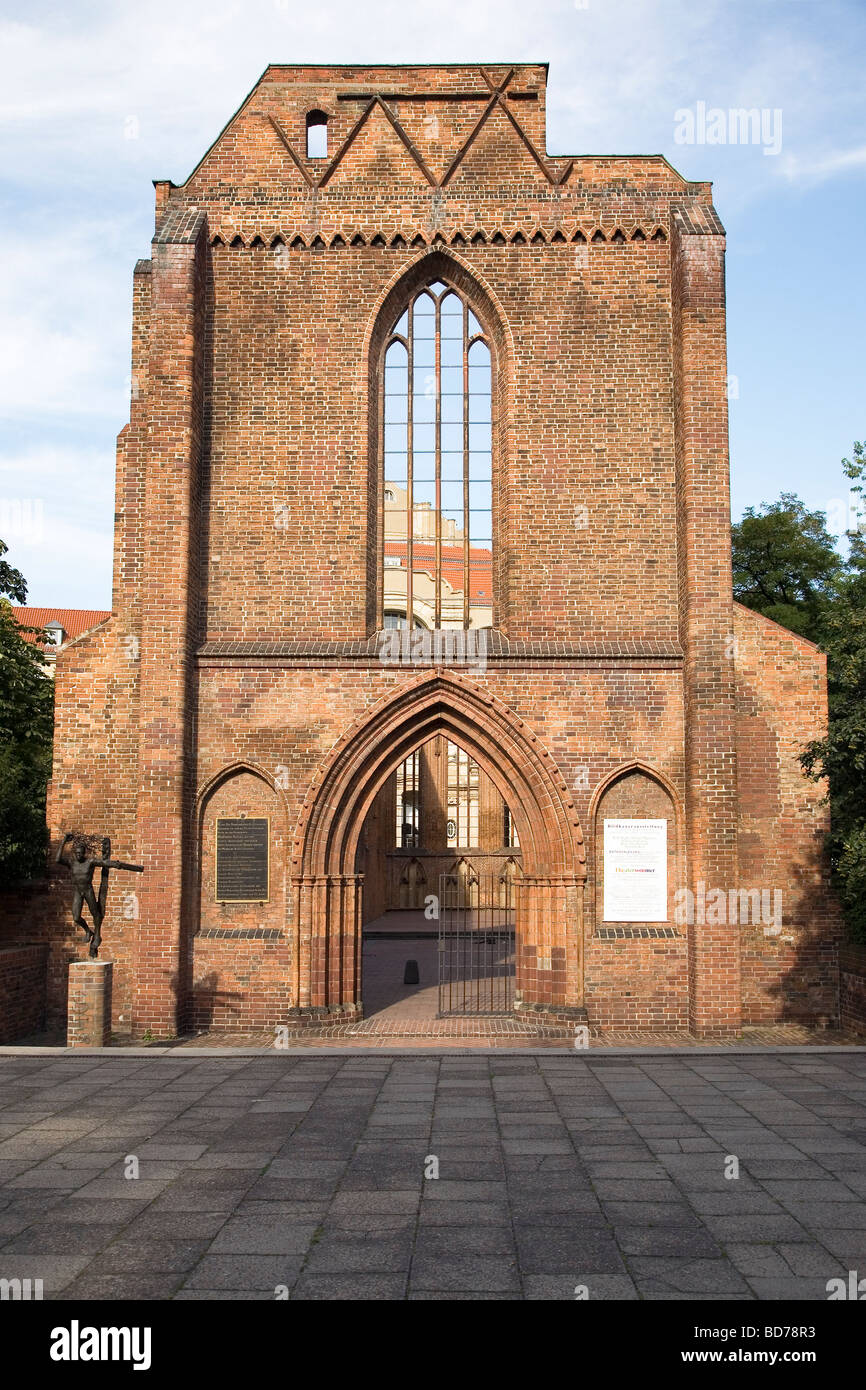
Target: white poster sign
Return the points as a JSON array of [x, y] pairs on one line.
[[635, 871]]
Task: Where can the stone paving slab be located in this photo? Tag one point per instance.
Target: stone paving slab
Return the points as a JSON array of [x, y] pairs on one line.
[[433, 1175]]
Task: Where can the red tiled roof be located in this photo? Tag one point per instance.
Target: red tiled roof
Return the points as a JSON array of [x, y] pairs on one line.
[[480, 566], [74, 621]]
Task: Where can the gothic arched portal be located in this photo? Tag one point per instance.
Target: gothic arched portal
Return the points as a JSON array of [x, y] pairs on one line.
[[328, 892]]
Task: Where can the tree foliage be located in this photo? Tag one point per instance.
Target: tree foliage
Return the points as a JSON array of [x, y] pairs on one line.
[[26, 731], [841, 756], [786, 564]]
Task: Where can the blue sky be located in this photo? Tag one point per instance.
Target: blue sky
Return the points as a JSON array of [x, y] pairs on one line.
[[97, 99]]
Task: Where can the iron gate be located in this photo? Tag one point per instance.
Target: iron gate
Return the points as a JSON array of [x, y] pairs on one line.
[[476, 945]]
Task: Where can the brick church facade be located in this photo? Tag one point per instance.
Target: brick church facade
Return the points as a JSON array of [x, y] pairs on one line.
[[397, 368]]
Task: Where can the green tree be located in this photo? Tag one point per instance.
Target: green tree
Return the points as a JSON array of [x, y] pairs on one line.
[[786, 564], [841, 756], [26, 731], [11, 581]]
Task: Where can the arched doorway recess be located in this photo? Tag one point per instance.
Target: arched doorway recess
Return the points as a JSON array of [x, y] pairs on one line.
[[327, 890]]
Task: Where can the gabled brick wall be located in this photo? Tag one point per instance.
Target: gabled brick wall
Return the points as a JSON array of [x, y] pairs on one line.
[[239, 648]]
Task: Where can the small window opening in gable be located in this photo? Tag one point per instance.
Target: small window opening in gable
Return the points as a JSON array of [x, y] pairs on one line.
[[317, 135]]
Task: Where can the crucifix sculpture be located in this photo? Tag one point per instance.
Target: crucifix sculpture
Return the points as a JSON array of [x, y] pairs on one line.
[[81, 867]]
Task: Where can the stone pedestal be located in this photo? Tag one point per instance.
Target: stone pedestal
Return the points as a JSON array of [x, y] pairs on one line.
[[89, 1017]]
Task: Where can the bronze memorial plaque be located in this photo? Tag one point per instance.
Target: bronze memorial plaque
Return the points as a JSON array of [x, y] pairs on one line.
[[242, 859]]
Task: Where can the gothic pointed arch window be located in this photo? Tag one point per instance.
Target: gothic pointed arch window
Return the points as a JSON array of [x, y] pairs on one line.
[[437, 464]]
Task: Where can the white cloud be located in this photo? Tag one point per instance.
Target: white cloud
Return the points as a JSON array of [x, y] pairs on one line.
[[818, 169], [56, 507], [69, 568], [64, 327]]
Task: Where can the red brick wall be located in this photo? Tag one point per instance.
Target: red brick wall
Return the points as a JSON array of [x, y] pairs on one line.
[[250, 711], [852, 973], [38, 914], [94, 792], [703, 521], [289, 332], [22, 991], [781, 704], [638, 984]]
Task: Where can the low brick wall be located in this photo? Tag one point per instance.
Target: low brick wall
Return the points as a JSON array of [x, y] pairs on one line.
[[791, 978], [240, 983], [38, 914], [638, 984], [23, 973], [852, 987]]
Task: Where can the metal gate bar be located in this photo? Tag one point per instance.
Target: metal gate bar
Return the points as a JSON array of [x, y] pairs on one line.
[[476, 945]]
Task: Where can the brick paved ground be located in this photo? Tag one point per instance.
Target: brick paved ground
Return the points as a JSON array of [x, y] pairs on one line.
[[465, 1033], [385, 996], [554, 1170], [498, 1033]]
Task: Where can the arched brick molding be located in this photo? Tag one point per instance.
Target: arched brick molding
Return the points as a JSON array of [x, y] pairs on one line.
[[636, 765], [328, 889], [238, 953], [636, 781], [637, 971], [211, 787]]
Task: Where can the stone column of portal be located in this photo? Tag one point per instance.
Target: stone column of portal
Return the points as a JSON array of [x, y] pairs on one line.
[[171, 582], [354, 946], [524, 945], [706, 616], [344, 939], [303, 886], [549, 928], [329, 911], [319, 944], [573, 931]]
